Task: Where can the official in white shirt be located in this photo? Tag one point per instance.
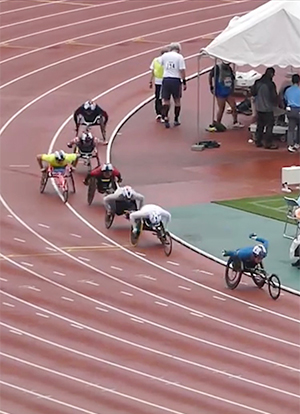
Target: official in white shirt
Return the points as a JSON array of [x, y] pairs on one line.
[[173, 78]]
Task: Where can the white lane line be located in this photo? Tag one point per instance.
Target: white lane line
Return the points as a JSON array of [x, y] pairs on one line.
[[126, 293], [255, 309], [8, 304], [206, 273], [217, 297], [161, 304], [184, 287], [173, 263], [85, 259], [42, 315], [116, 268], [27, 264], [2, 279], [136, 320], [144, 348], [58, 273], [197, 314], [75, 235], [19, 166], [76, 326], [32, 288], [16, 333], [107, 244], [44, 225], [91, 282], [46, 397], [69, 299], [51, 249], [19, 240], [101, 309], [9, 216], [140, 254]]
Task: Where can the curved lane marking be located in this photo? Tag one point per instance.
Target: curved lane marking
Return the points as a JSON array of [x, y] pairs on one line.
[[130, 315], [152, 377], [142, 347], [103, 31], [26, 8], [61, 13], [70, 58]]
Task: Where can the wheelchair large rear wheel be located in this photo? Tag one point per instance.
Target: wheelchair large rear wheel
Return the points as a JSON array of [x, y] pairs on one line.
[[109, 219], [134, 236], [274, 286], [233, 274], [43, 182], [91, 190], [167, 243]]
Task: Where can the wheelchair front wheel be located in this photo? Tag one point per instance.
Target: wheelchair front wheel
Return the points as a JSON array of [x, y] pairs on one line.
[[274, 286], [109, 218]]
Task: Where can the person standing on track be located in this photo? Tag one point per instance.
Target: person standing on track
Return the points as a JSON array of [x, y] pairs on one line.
[[157, 72], [173, 78]]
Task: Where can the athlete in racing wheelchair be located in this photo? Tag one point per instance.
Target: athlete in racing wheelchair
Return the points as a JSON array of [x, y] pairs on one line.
[[248, 258], [90, 113], [124, 198], [86, 146]]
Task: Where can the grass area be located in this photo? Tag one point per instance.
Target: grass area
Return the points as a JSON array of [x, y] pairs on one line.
[[272, 207]]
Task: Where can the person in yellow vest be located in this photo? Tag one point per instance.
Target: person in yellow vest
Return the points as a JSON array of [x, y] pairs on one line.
[[157, 72]]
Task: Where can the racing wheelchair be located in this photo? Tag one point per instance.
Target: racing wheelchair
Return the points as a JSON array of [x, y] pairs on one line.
[[123, 208], [158, 230], [61, 179], [108, 186], [97, 121], [235, 270]]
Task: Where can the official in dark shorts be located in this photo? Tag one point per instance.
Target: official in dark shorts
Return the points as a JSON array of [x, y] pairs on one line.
[[173, 79]]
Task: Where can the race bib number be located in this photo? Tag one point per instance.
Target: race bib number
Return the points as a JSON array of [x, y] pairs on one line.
[[170, 65]]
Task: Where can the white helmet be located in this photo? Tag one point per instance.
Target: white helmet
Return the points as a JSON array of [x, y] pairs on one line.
[[259, 251], [127, 192], [60, 155], [155, 218]]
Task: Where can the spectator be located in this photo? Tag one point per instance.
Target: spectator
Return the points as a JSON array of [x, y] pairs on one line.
[[174, 74], [157, 72], [292, 99], [265, 100], [223, 88]]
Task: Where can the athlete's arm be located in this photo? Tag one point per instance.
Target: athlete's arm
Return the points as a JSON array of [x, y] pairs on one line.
[[140, 198], [39, 160]]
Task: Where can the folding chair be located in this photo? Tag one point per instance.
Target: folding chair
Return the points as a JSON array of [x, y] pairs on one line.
[[292, 205]]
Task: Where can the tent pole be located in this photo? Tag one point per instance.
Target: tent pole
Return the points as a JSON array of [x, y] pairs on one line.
[[198, 96]]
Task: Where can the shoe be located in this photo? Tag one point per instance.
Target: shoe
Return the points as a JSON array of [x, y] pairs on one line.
[[271, 147], [224, 253], [158, 118], [176, 123], [211, 128], [85, 182], [291, 148], [297, 146], [167, 123], [237, 125], [296, 264]]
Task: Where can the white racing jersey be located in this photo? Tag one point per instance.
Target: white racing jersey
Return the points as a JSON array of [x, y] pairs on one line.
[[147, 210]]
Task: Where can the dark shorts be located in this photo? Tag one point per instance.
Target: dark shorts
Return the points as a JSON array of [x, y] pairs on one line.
[[171, 87]]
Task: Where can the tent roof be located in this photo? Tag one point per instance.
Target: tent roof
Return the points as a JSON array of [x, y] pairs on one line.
[[268, 35]]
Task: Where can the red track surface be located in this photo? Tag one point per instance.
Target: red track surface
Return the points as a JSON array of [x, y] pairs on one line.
[[87, 324]]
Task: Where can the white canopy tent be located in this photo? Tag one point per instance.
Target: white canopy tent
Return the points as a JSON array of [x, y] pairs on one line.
[[267, 36]]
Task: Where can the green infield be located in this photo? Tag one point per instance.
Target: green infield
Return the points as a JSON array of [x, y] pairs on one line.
[[272, 207]]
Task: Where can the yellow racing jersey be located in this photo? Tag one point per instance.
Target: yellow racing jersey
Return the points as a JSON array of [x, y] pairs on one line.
[[51, 160]]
